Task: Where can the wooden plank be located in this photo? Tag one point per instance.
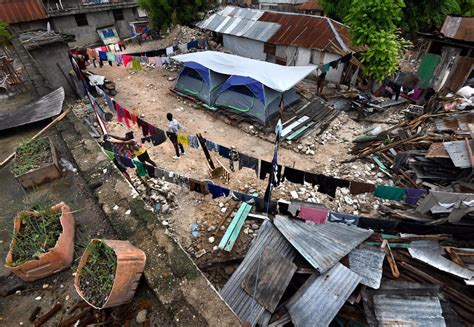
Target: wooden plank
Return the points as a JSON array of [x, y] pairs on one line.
[[238, 227], [290, 127], [232, 226], [298, 132]]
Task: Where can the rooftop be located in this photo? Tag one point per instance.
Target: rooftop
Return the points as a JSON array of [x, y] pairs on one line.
[[459, 28], [17, 11]]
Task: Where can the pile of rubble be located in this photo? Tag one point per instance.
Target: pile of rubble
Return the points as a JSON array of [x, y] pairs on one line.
[[158, 194]]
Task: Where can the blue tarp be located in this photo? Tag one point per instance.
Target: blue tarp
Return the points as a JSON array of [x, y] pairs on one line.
[[203, 71], [255, 86]]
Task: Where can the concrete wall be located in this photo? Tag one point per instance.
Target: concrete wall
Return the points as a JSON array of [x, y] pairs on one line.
[[47, 57], [87, 35]]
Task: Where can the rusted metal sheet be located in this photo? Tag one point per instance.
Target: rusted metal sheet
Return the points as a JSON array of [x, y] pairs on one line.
[[437, 150], [310, 5], [459, 28], [458, 123], [321, 245], [17, 11], [268, 281], [321, 297], [311, 32]]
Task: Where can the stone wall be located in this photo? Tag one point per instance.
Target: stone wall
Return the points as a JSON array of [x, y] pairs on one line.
[[178, 283]]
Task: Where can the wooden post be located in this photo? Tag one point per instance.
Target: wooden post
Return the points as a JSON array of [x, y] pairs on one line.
[[206, 151]]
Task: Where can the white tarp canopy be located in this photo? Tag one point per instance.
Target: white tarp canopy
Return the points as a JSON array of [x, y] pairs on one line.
[[277, 77]]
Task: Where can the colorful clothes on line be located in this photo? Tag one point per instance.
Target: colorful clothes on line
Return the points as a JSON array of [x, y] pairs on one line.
[[103, 55], [345, 218], [247, 161], [126, 59], [224, 152], [136, 66], [212, 146], [359, 188], [390, 192], [141, 170], [169, 51], [118, 59], [217, 191], [317, 216], [119, 111], [193, 141], [192, 45], [183, 138], [110, 56]]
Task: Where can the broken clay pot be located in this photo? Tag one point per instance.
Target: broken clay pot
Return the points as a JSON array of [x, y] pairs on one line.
[[130, 264], [56, 259]]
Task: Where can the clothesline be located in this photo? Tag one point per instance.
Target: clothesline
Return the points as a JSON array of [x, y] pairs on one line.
[[326, 184]]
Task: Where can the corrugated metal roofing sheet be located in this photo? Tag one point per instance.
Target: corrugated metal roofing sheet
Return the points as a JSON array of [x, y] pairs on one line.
[[244, 306], [458, 153], [321, 245], [311, 32], [367, 263], [244, 25], [403, 304], [321, 297], [17, 11], [430, 253], [459, 28], [457, 123]]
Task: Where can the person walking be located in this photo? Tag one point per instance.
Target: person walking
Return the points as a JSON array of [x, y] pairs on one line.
[[173, 129], [136, 149]]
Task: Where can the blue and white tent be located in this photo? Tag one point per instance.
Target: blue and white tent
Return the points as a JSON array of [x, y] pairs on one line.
[[250, 87]]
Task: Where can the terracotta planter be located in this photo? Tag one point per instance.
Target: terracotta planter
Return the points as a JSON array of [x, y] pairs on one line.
[[45, 174], [130, 264], [56, 259]]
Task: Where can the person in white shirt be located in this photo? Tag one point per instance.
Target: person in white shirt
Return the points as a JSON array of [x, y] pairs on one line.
[[173, 129]]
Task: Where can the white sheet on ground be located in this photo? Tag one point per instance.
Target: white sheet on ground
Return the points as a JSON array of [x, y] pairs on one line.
[[277, 77]]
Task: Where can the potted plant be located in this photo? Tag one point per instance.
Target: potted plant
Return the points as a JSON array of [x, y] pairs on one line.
[[109, 272], [36, 163], [42, 242]]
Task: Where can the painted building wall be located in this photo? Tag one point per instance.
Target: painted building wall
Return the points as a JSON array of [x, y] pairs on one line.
[[87, 35]]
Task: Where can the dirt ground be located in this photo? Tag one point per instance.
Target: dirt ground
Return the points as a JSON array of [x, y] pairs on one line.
[[148, 91], [16, 308]]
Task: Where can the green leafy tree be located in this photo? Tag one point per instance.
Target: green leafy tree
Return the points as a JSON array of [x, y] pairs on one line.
[[425, 15], [5, 35], [466, 7], [374, 24], [164, 13], [337, 9]]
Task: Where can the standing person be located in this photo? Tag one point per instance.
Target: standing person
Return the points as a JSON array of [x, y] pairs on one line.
[[320, 83], [173, 128], [136, 149], [119, 151]]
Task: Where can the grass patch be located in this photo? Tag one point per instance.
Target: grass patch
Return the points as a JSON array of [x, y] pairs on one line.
[[39, 232], [97, 276], [32, 155]]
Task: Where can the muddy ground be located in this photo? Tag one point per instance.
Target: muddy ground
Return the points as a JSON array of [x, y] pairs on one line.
[[15, 308]]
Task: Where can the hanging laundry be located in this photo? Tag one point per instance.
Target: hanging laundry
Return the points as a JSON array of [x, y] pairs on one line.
[[247, 161], [136, 64], [150, 170], [359, 188], [118, 59], [217, 191], [244, 198], [169, 51], [141, 171], [143, 125], [317, 216], [294, 175], [325, 68], [110, 56], [265, 169], [159, 61], [197, 186], [224, 152], [346, 58], [390, 192], [183, 138], [126, 59], [159, 137], [326, 185], [212, 146], [134, 115], [165, 60], [127, 162], [333, 64], [127, 117], [413, 195], [119, 111], [144, 60], [233, 157], [192, 45], [117, 47], [193, 141], [103, 55], [345, 218]]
